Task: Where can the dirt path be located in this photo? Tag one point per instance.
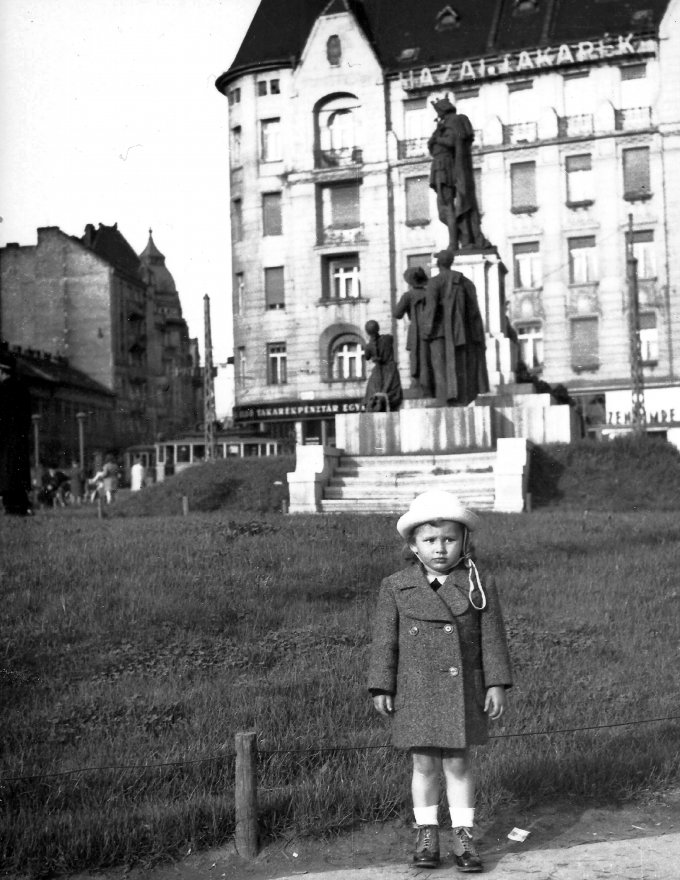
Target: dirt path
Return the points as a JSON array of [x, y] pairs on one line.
[[644, 822]]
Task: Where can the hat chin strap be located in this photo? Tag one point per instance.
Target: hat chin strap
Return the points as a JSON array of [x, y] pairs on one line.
[[473, 583]]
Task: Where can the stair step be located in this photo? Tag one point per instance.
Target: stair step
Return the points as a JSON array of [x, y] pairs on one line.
[[408, 491], [388, 507]]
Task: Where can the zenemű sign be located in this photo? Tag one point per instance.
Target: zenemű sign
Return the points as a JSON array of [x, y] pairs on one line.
[[524, 61]]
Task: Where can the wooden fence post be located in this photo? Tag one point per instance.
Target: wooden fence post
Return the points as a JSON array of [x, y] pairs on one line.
[[246, 794]]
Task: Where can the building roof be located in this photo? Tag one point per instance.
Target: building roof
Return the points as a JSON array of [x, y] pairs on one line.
[[154, 261], [439, 32], [109, 244], [49, 370]]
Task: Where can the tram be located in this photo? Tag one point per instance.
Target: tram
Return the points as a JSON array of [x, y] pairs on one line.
[[175, 455]]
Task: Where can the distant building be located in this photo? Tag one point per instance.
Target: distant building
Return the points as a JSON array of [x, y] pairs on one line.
[[92, 306], [576, 108], [58, 394]]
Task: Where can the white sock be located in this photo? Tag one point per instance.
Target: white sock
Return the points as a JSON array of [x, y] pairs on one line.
[[426, 815], [462, 817]]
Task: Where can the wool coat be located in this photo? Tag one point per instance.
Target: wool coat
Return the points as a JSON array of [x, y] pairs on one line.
[[437, 655]]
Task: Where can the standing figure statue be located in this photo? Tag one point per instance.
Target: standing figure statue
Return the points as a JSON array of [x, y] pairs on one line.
[[452, 177], [383, 390], [453, 320], [412, 303]]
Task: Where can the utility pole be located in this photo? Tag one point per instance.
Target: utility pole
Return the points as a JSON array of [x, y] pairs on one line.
[[209, 417], [638, 415]]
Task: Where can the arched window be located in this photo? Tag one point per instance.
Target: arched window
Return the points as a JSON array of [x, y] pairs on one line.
[[346, 359], [337, 127]]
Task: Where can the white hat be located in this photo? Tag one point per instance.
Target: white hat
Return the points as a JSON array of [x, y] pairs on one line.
[[432, 506]]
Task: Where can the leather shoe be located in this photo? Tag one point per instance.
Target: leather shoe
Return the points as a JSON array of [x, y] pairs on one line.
[[426, 854], [465, 855]]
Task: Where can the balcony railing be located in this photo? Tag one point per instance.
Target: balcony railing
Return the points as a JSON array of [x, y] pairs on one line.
[[338, 158], [631, 118], [650, 293], [334, 235], [413, 148], [520, 133], [526, 303], [575, 126], [582, 299]]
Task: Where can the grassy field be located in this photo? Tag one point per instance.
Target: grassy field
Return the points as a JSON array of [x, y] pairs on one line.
[[131, 641]]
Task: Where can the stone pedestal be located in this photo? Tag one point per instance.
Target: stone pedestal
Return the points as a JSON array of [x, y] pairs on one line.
[[486, 271]]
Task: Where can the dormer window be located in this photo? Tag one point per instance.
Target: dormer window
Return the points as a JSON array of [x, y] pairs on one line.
[[447, 19], [524, 7], [334, 50]]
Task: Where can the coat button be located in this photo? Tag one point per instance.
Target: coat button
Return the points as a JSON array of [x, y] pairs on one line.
[[413, 631], [453, 670], [448, 628]]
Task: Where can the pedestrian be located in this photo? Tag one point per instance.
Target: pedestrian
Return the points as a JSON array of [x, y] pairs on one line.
[[109, 475], [439, 666], [137, 475], [76, 476]]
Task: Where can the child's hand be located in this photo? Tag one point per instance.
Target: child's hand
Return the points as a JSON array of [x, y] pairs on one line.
[[495, 702], [384, 703]]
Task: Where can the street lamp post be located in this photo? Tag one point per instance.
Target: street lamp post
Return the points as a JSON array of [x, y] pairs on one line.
[[81, 439], [35, 418]]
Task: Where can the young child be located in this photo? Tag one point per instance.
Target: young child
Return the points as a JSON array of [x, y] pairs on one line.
[[439, 666]]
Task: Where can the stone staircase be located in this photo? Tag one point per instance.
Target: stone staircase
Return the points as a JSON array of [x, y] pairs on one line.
[[386, 484]]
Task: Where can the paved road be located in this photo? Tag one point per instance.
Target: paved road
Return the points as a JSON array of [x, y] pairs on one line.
[[646, 858]]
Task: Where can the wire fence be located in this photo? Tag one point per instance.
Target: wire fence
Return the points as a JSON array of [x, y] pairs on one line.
[[264, 753]]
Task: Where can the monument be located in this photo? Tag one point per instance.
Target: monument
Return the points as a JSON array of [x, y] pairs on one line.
[[462, 356]]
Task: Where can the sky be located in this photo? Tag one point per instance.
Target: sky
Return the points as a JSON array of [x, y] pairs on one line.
[[110, 114]]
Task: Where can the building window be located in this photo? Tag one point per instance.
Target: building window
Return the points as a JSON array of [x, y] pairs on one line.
[[271, 149], [237, 220], [337, 125], [649, 338], [579, 180], [584, 344], [271, 214], [417, 119], [636, 184], [579, 104], [241, 364], [268, 87], [274, 294], [340, 206], [530, 341], [477, 177], [417, 200], [239, 292], [347, 359], [526, 259], [334, 50], [235, 146], [523, 187], [582, 263], [521, 113], [643, 251], [422, 260], [277, 371], [234, 96], [342, 279], [634, 86]]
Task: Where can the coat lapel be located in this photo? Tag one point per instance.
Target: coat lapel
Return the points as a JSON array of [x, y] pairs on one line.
[[420, 601]]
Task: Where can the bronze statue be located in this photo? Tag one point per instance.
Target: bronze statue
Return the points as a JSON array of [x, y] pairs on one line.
[[453, 323], [452, 177], [383, 390], [412, 303]]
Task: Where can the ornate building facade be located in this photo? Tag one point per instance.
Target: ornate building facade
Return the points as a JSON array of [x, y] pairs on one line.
[[93, 307], [576, 110]]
